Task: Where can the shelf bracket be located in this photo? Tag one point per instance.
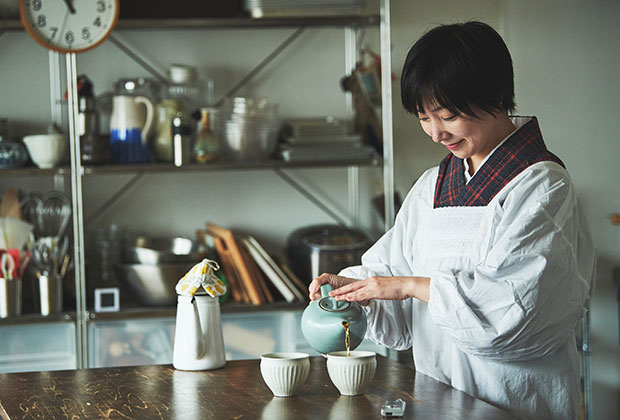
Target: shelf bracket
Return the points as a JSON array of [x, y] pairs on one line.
[[118, 194], [312, 196], [288, 41], [151, 68]]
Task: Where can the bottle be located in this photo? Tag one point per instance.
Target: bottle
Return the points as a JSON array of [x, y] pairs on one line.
[[94, 149], [207, 145], [181, 139]]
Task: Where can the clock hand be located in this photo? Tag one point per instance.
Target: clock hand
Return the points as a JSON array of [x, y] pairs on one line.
[[69, 4]]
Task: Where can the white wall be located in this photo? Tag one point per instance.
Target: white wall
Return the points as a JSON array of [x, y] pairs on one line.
[[567, 56]]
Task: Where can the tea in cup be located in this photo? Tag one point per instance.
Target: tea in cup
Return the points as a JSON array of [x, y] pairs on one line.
[[352, 373], [285, 373]]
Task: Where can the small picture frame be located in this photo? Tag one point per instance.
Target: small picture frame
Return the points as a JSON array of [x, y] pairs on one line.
[[107, 299]]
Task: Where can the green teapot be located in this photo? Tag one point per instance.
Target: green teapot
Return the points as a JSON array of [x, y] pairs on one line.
[[323, 323]]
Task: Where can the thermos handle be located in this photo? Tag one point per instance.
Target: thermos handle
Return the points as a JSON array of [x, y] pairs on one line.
[[146, 130]]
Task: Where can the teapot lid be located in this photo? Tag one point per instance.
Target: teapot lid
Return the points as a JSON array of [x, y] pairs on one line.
[[330, 304]]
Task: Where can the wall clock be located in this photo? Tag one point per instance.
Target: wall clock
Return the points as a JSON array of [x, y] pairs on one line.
[[69, 26]]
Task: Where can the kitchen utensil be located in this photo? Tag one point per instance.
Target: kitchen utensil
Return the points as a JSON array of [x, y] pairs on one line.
[[10, 204], [10, 297], [317, 249], [323, 323], [56, 212], [15, 233], [152, 285], [47, 150], [49, 299], [31, 209], [351, 373], [8, 266], [285, 373], [130, 126], [198, 338], [156, 250]]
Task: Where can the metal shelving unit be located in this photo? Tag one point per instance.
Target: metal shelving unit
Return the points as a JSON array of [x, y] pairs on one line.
[[77, 171]]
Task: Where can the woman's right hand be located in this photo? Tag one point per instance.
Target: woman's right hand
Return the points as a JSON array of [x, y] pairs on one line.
[[336, 281]]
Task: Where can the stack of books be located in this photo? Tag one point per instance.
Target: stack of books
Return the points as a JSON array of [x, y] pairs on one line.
[[253, 276]]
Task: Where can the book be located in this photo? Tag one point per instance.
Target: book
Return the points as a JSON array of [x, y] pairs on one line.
[[273, 271], [243, 272]]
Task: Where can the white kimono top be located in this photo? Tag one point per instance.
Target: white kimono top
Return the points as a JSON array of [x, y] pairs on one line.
[[509, 282]]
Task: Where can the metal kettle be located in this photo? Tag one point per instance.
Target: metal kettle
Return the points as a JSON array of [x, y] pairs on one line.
[[323, 323]]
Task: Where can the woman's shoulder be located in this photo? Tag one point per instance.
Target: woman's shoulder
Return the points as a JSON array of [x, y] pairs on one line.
[[542, 184]]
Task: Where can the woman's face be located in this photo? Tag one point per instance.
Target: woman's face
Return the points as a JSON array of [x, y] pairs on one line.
[[464, 136]]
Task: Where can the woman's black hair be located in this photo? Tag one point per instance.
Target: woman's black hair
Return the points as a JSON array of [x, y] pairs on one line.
[[463, 67]]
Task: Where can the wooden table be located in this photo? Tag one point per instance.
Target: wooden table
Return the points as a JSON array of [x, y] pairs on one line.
[[236, 391]]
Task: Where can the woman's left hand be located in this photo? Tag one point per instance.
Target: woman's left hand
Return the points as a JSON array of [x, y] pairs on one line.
[[388, 288]]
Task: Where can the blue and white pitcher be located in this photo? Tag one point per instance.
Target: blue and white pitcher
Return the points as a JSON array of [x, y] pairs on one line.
[[130, 125]]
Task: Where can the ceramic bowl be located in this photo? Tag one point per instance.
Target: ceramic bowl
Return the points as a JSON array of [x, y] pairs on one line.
[[285, 373], [351, 374], [46, 150]]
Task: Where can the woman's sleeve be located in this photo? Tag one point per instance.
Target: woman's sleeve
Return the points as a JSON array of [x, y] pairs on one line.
[[389, 321], [525, 298]]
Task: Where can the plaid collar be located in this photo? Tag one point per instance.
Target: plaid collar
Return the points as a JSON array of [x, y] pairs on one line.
[[523, 148]]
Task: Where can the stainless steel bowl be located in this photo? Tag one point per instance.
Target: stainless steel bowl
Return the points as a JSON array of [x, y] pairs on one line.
[[152, 285], [158, 250]]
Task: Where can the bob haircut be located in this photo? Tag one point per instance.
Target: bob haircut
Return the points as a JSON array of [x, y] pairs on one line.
[[464, 67]]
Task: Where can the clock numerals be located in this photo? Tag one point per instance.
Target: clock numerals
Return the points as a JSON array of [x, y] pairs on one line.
[[36, 5], [69, 37], [85, 33], [101, 6], [41, 21], [53, 30], [97, 21]]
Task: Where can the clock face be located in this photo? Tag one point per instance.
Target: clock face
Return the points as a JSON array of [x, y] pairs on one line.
[[69, 25]]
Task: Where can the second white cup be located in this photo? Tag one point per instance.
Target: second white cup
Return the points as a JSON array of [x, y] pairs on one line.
[[351, 374], [285, 373]]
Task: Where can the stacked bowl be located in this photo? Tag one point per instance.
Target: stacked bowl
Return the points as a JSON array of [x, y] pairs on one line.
[[248, 128], [152, 266]]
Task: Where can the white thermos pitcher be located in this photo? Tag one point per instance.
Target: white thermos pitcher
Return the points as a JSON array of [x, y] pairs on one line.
[[198, 339], [130, 126]]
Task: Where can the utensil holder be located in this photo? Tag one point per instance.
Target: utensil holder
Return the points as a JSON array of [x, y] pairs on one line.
[[10, 297], [49, 287]]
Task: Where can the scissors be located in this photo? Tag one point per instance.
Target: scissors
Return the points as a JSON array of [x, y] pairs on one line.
[[8, 265]]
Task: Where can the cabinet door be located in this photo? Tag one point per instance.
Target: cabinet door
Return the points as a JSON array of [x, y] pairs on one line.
[[131, 342], [36, 347]]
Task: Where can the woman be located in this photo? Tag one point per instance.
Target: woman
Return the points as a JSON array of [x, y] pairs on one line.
[[489, 265]]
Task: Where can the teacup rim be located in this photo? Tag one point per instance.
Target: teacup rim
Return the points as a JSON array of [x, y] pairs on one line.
[[284, 355], [354, 354]]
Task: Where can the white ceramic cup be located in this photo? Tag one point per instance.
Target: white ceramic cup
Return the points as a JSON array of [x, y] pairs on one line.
[[285, 373], [351, 374]]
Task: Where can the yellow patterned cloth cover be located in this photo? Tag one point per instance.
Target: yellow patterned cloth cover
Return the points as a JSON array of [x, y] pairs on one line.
[[202, 275]]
